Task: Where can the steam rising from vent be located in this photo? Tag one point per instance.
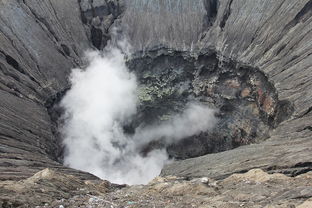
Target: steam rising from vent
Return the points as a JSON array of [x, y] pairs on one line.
[[102, 99]]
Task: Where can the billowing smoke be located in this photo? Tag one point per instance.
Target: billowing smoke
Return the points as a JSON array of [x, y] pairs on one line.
[[195, 119], [102, 99]]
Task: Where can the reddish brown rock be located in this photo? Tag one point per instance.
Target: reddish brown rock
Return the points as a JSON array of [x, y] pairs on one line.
[[245, 92]]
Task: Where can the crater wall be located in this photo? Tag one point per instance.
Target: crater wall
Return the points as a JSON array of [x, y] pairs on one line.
[[40, 41]]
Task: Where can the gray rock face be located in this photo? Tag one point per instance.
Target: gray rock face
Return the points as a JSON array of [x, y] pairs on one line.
[[273, 37], [40, 41], [99, 16], [173, 24]]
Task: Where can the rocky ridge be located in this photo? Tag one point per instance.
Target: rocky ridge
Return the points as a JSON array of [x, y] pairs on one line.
[[255, 188]]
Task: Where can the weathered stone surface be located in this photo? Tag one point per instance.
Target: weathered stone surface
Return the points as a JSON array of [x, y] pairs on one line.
[[173, 24], [40, 41], [171, 80], [286, 151], [274, 36], [47, 186], [99, 16], [255, 188]]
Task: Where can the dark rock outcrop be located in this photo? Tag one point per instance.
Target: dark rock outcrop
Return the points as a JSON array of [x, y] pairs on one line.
[[248, 103], [99, 16]]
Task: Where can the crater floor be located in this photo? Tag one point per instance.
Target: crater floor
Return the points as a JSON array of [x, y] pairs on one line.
[[247, 104]]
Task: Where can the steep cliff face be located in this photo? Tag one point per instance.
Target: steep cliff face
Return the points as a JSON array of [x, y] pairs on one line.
[[40, 42], [251, 56], [173, 24], [274, 37]]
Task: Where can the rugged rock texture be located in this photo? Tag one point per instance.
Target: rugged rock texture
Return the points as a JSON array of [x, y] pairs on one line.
[[248, 103], [274, 37], [99, 16], [40, 41], [46, 186], [173, 24], [253, 189]]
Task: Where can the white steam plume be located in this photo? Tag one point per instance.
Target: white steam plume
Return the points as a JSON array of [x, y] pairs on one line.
[[195, 119], [103, 97]]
